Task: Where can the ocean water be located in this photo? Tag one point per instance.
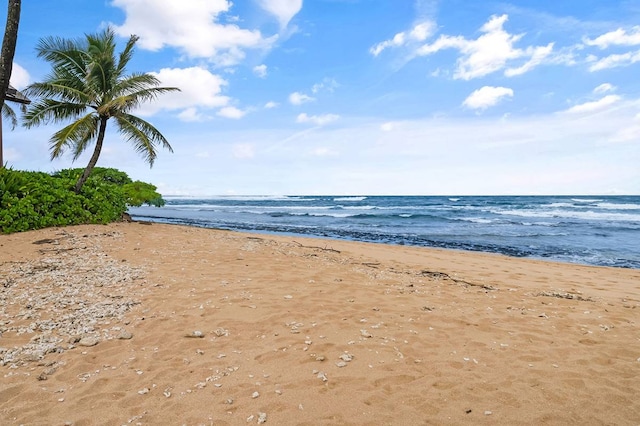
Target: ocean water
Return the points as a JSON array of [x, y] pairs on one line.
[[587, 230]]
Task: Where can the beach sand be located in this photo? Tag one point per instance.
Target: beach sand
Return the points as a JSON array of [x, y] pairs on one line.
[[152, 324]]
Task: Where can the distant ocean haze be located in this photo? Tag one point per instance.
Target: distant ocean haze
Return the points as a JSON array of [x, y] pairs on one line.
[[587, 230]]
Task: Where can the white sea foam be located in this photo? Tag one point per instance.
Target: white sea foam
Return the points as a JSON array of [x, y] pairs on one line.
[[238, 197], [359, 207], [478, 220], [559, 205], [340, 215], [585, 200], [584, 215], [349, 198], [614, 206]]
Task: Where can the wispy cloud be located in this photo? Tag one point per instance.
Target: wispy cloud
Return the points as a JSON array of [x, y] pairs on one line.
[[283, 10], [420, 32], [260, 70], [318, 120], [297, 98], [326, 85], [614, 61], [493, 51], [594, 106], [604, 88], [486, 97], [619, 37], [231, 112]]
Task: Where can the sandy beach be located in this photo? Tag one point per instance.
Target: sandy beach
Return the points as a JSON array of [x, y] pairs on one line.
[[150, 324]]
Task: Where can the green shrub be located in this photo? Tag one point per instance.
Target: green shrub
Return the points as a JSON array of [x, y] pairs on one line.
[[34, 200], [138, 193]]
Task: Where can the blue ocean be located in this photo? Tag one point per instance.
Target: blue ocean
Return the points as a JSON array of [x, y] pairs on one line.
[[603, 230]]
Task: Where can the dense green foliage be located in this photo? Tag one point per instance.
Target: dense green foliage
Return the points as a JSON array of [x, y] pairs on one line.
[[34, 200], [138, 193]]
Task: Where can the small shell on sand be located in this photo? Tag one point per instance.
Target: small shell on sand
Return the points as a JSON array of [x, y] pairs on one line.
[[346, 357], [196, 334]]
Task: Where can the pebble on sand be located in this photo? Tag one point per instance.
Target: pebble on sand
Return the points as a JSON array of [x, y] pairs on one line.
[[89, 341]]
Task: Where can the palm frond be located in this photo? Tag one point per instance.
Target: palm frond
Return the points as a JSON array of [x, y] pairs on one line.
[[58, 89], [135, 82], [67, 57], [52, 111], [75, 135], [142, 135], [9, 114], [125, 55], [126, 103]]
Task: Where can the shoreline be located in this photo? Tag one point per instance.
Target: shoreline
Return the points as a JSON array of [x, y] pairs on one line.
[[194, 325], [392, 244]]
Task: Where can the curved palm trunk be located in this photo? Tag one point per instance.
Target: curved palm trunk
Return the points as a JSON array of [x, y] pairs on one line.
[[6, 56], [1, 159], [94, 156]]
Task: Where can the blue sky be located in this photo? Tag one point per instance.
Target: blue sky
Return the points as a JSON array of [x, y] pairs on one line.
[[420, 97]]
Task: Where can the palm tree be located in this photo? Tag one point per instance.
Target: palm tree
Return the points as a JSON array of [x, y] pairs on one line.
[[6, 61], [87, 85]]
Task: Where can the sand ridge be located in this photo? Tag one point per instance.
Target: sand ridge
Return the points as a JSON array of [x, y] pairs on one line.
[[198, 326]]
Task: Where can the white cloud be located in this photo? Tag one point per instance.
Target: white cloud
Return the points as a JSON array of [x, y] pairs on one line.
[[243, 151], [260, 70], [613, 61], [318, 120], [619, 37], [327, 84], [594, 106], [604, 88], [297, 98], [191, 26], [490, 52], [387, 127], [20, 78], [418, 33], [537, 54], [271, 104], [231, 112], [283, 10], [486, 97], [198, 88], [191, 115]]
